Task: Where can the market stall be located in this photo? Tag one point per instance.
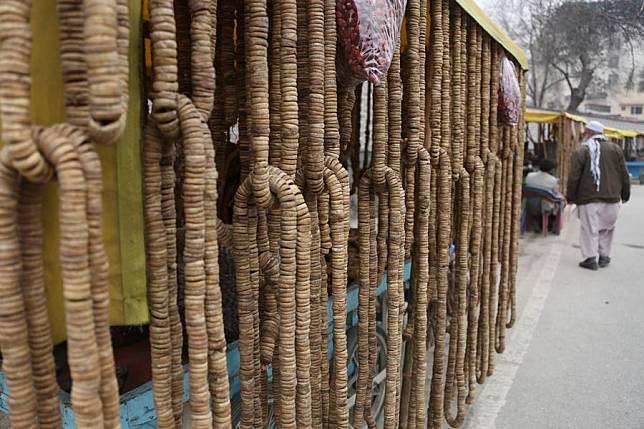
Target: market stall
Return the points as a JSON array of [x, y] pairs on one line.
[[556, 135]]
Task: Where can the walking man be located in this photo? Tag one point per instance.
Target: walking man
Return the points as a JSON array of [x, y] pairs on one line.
[[598, 183]]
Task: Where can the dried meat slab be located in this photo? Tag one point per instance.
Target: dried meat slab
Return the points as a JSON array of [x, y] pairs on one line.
[[368, 31]]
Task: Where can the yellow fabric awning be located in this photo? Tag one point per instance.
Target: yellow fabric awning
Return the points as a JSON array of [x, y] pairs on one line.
[[575, 118], [613, 133], [631, 133], [546, 117], [616, 133], [539, 116]]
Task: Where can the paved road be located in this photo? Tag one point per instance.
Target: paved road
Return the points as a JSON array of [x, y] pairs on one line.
[[576, 356]]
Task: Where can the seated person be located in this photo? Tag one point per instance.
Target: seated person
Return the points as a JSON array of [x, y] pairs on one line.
[[543, 179]]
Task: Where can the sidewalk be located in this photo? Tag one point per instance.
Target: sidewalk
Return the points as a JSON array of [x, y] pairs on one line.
[[575, 358]]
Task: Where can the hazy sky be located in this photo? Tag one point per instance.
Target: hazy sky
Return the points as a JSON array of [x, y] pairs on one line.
[[485, 4]]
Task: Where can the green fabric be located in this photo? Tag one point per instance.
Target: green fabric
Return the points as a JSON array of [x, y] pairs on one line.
[[123, 228], [130, 187]]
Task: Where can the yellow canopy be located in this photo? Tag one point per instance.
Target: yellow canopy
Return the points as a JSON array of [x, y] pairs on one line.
[[631, 133], [122, 180], [545, 117], [575, 118], [541, 117]]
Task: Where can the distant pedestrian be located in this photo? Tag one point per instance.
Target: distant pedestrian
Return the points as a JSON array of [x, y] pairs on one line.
[[598, 183]]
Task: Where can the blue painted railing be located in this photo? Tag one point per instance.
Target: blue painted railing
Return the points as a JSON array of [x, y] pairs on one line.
[[635, 169], [137, 406]]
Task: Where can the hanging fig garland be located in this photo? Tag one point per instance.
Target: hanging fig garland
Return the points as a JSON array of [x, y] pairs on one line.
[[441, 174], [174, 115], [29, 159]]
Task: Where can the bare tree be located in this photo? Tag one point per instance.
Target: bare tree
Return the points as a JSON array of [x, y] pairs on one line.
[[539, 46], [581, 37], [524, 21], [571, 40]]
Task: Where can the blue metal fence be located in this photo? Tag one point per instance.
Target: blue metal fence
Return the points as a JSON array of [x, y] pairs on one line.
[[137, 406]]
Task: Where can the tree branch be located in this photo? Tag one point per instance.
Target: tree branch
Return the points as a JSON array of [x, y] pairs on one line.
[[556, 82], [564, 73]]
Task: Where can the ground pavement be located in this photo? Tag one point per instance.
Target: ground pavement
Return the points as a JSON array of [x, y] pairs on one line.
[[575, 358]]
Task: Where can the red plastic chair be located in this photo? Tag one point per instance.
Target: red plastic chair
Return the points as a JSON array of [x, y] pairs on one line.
[[532, 207]]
